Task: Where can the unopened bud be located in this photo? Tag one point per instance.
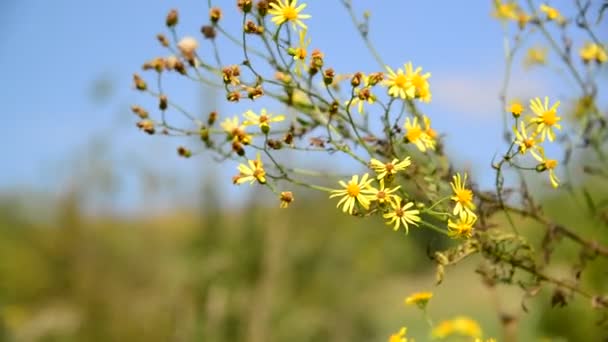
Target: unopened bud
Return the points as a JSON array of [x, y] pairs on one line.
[[172, 18], [356, 80], [238, 148], [184, 152], [208, 31], [139, 83], [162, 39], [147, 126], [233, 96], [215, 14], [244, 5], [162, 102], [139, 111], [328, 76], [211, 118], [263, 7], [274, 144]]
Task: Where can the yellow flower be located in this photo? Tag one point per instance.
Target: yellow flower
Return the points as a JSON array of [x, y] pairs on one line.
[[419, 82], [361, 96], [300, 53], [288, 10], [547, 164], [535, 56], [515, 108], [552, 14], [593, 52], [430, 132], [353, 193], [415, 135], [546, 119], [524, 140], [419, 298], [383, 195], [286, 198], [462, 196], [505, 11], [389, 169], [263, 120], [252, 172], [235, 130], [399, 336], [399, 84], [400, 215], [463, 228], [462, 326]]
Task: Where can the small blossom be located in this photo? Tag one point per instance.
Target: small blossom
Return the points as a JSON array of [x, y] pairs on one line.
[[235, 130], [286, 199], [416, 135], [516, 108], [361, 96], [552, 14], [535, 56], [459, 326], [547, 165], [463, 227], [252, 172], [288, 11], [546, 118], [505, 10], [400, 215], [299, 53], [462, 196], [399, 336], [399, 85], [353, 193], [383, 195], [419, 82], [525, 141], [593, 52], [263, 120], [419, 299], [389, 169]]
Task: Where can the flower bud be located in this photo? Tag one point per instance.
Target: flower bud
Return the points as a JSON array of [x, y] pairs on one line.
[[356, 79], [146, 125], [233, 96], [208, 32], [328, 76], [140, 84], [162, 39], [215, 14], [172, 18], [211, 118], [262, 7], [244, 5], [162, 102], [184, 152], [139, 111]]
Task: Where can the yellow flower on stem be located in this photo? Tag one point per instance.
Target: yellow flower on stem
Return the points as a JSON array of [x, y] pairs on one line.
[[416, 135], [299, 53], [402, 215], [263, 120], [252, 172], [419, 299], [430, 132], [399, 84], [535, 56], [546, 118], [419, 82], [353, 193], [361, 96], [547, 165], [288, 11], [399, 336], [286, 198], [462, 326], [462, 196], [505, 11], [552, 14], [525, 141], [235, 130], [516, 108], [384, 170], [463, 227], [383, 195], [593, 52]]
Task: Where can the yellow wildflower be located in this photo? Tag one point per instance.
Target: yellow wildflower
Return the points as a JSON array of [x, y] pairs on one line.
[[399, 336], [400, 215], [547, 164], [419, 82], [462, 326], [546, 119], [535, 56], [552, 14], [235, 130], [593, 52], [399, 84], [463, 228], [462, 196], [525, 141], [383, 195], [252, 172], [384, 170], [419, 298], [300, 53], [361, 96], [288, 11], [353, 193], [415, 135], [430, 132], [263, 120], [516, 108], [286, 198], [505, 11]]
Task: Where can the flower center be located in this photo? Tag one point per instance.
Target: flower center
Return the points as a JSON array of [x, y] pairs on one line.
[[399, 212], [414, 133], [464, 196], [401, 81], [389, 167], [549, 118], [550, 163], [528, 143], [259, 173], [353, 189], [263, 118], [290, 13], [381, 195]]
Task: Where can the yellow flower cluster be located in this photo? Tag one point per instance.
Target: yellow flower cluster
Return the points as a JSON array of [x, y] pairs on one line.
[[510, 11], [410, 84], [463, 210], [419, 299], [593, 52]]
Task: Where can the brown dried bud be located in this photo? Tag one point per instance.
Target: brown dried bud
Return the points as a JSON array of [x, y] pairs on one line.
[[317, 58], [172, 18], [215, 14], [211, 118], [162, 102], [238, 148], [230, 75], [244, 5], [254, 93], [157, 64], [252, 28], [142, 113], [139, 83], [146, 126], [184, 152], [288, 138], [233, 96], [375, 78], [263, 6], [333, 108], [208, 31], [162, 39], [328, 76], [356, 80]]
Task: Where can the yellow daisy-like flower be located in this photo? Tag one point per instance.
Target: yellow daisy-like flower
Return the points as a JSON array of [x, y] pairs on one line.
[[547, 165], [252, 172], [399, 84], [361, 96], [516, 108], [430, 132], [399, 336], [419, 299], [389, 169], [263, 120], [462, 326], [383, 195], [525, 141], [546, 118], [286, 198], [462, 196], [235, 130], [463, 227], [353, 193], [299, 53], [419, 82], [535, 56], [593, 52], [552, 14], [416, 135], [400, 215], [288, 11], [505, 11]]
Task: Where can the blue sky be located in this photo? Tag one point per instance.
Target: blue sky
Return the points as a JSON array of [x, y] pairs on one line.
[[54, 54]]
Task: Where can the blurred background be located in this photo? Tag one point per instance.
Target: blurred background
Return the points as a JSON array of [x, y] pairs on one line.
[[107, 235]]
